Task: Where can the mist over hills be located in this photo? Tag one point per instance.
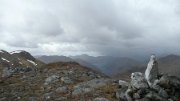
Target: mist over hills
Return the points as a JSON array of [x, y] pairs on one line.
[[106, 64], [114, 66]]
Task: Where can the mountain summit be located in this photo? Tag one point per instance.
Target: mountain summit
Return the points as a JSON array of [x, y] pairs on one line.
[[18, 58]]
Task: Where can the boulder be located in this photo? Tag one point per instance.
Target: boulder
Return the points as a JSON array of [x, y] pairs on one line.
[[123, 83], [138, 81], [120, 93]]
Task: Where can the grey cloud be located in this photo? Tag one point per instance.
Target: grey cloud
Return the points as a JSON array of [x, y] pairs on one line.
[[43, 22], [101, 27]]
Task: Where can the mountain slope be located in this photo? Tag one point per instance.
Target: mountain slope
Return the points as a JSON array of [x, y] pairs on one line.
[[12, 63], [18, 58], [170, 64]]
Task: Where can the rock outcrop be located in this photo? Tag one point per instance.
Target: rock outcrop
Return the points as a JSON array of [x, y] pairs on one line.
[[151, 73], [151, 86]]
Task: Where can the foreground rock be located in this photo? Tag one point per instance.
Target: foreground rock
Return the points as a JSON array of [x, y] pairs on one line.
[[150, 87], [89, 86], [151, 73]]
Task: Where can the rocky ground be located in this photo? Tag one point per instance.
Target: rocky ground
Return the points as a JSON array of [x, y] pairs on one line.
[[56, 82]]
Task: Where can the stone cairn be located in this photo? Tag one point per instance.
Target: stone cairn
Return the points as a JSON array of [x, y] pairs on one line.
[[151, 86]]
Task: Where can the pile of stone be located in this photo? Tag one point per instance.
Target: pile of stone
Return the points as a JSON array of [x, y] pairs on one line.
[[151, 86]]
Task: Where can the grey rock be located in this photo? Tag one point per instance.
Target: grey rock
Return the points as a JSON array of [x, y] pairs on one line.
[[65, 72], [32, 99], [142, 92], [47, 96], [136, 96], [3, 99], [138, 81], [88, 86], [177, 94], [120, 93], [51, 79], [163, 93], [143, 99], [151, 73], [155, 97], [170, 100], [150, 88], [123, 83], [100, 99], [95, 83], [81, 90], [129, 94], [169, 81], [63, 89], [7, 71], [66, 80], [61, 99]]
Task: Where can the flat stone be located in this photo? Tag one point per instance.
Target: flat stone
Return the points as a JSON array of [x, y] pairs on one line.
[[100, 99]]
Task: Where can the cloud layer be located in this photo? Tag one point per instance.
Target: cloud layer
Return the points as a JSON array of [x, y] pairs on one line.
[[94, 27]]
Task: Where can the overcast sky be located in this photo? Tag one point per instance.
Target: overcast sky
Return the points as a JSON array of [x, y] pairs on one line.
[[94, 27]]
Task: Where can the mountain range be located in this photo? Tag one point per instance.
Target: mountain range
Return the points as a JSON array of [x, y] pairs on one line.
[[109, 65], [114, 66], [106, 64]]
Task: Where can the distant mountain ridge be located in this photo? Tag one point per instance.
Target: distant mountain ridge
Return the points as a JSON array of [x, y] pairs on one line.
[[114, 66], [106, 64]]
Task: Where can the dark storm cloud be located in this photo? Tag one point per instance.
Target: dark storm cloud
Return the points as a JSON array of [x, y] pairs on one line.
[[95, 27]]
